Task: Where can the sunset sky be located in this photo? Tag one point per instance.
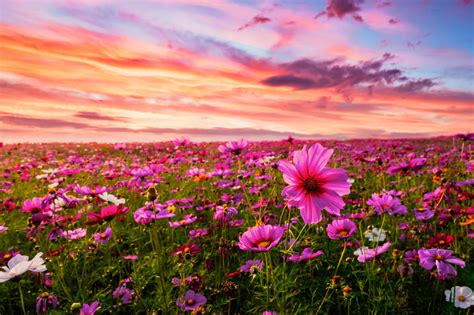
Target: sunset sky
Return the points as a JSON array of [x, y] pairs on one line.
[[113, 71]]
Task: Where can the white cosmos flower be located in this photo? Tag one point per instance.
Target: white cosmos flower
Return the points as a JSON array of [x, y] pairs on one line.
[[59, 202], [461, 296], [37, 264], [46, 173], [376, 235], [53, 185], [111, 198], [20, 264]]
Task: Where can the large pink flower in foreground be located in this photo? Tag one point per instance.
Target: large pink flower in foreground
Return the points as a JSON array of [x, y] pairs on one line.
[[313, 187]]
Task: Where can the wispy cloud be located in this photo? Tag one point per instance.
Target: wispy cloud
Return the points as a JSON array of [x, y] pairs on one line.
[[97, 116]]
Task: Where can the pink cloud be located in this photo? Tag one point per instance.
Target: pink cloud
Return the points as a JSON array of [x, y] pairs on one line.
[[258, 19]]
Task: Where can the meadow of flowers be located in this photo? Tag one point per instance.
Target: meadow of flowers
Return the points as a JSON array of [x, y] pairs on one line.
[[287, 227]]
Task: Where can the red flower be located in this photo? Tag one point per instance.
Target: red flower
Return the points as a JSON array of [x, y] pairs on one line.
[[188, 250], [440, 240]]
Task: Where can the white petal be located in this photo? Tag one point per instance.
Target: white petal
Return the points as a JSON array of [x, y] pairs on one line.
[[16, 260], [4, 276]]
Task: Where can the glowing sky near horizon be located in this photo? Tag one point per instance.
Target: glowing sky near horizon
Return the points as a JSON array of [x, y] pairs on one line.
[[112, 71]]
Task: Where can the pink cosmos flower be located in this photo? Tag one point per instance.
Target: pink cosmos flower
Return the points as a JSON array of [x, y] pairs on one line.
[[198, 233], [423, 213], [386, 203], [306, 254], [367, 254], [34, 205], [87, 309], [45, 299], [106, 214], [261, 238], [103, 237], [187, 219], [344, 228], [224, 213], [183, 141], [130, 257], [411, 256], [87, 191], [74, 234], [251, 266], [234, 147], [414, 164], [190, 301], [145, 215], [311, 186], [443, 259], [3, 228]]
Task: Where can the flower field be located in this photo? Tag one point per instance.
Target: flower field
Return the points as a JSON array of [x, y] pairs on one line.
[[287, 227]]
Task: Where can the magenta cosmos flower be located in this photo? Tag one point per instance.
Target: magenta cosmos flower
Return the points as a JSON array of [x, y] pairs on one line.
[[74, 234], [87, 309], [191, 300], [344, 228], [234, 147], [367, 254], [311, 186], [251, 266], [306, 254], [103, 237], [443, 259], [106, 214], [224, 213], [198, 233], [261, 238], [34, 205], [386, 203], [188, 219]]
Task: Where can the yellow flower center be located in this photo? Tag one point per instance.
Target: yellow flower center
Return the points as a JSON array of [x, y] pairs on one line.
[[461, 298], [439, 257], [171, 208], [263, 244], [190, 302], [343, 233]]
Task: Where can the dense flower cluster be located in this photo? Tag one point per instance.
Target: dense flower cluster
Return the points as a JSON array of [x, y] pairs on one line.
[[237, 227]]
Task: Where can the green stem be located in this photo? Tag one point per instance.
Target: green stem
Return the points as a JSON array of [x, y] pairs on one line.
[[323, 301], [267, 272], [21, 299], [340, 258], [297, 238], [335, 274]]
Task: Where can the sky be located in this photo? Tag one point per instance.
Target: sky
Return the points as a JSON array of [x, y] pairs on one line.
[[215, 70]]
